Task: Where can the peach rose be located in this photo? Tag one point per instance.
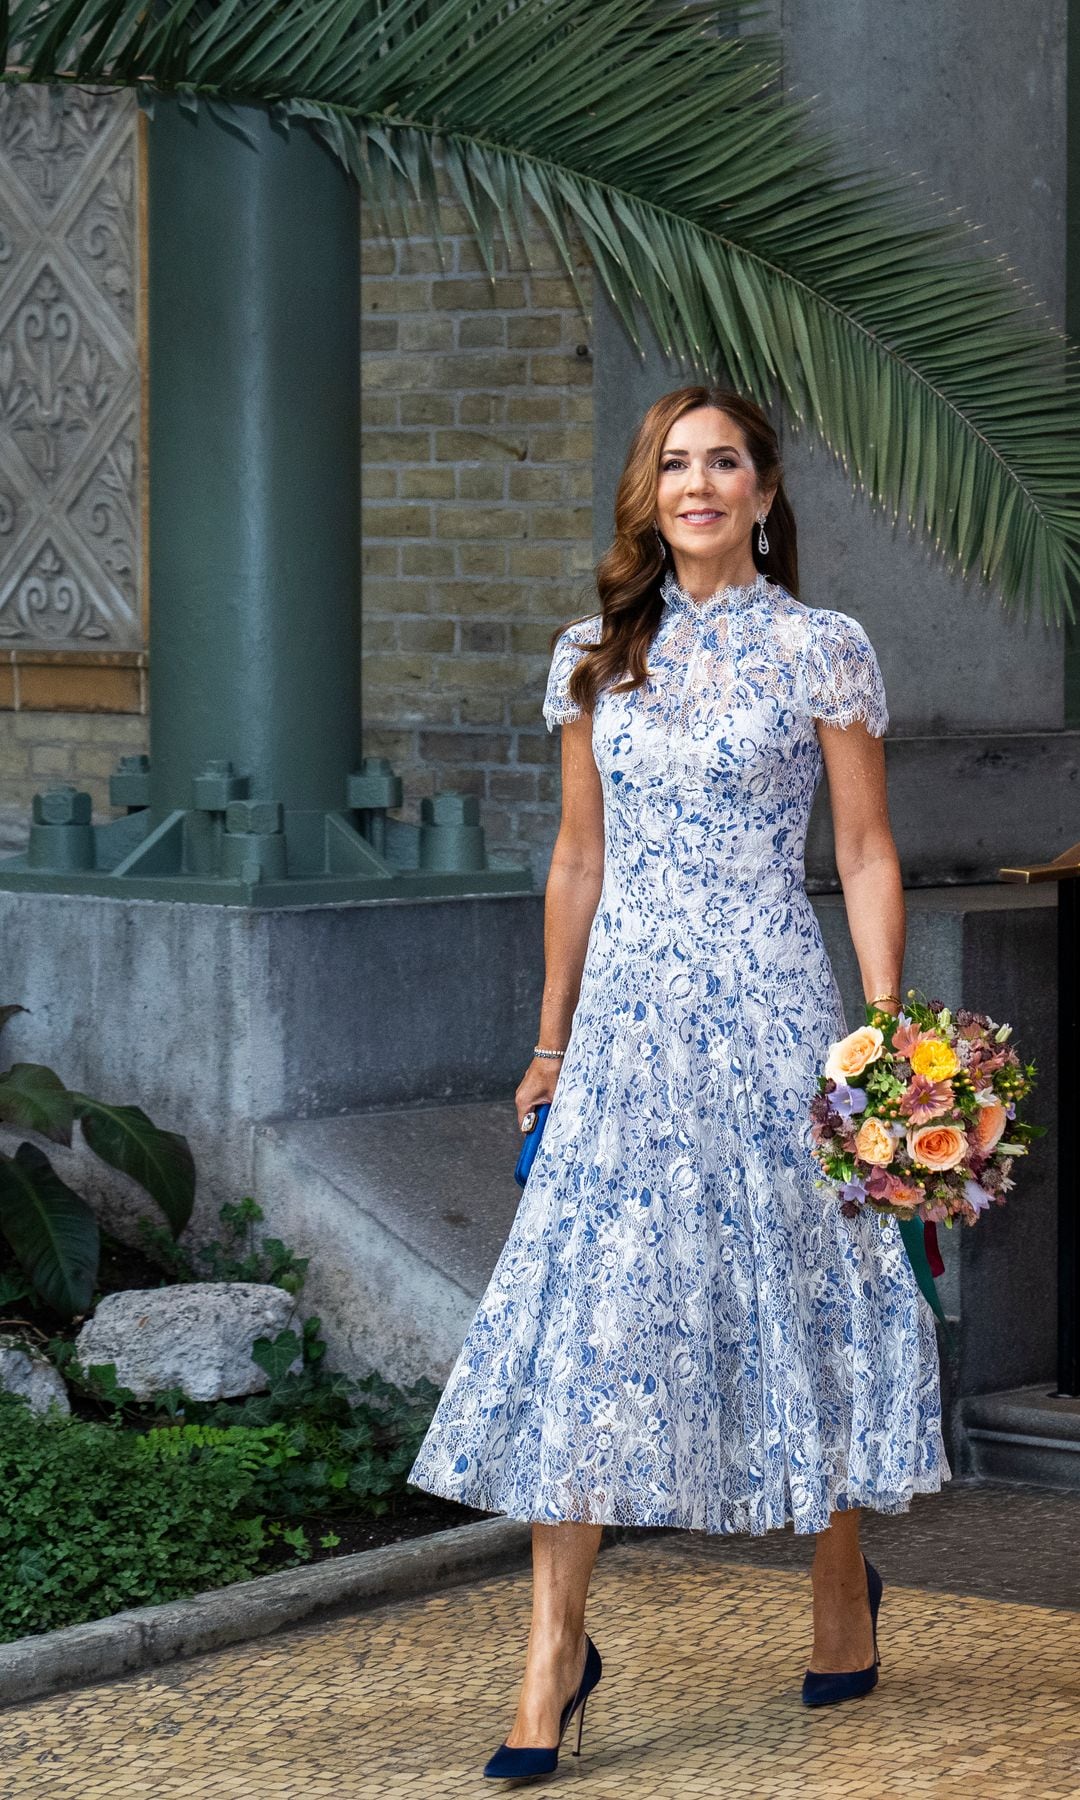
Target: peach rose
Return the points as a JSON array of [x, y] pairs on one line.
[[935, 1060], [854, 1053], [874, 1143], [990, 1122], [936, 1147]]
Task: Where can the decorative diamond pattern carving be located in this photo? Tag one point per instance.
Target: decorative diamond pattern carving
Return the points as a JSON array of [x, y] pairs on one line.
[[70, 523]]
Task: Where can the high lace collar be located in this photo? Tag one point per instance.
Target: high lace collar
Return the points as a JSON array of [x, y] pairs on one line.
[[724, 600]]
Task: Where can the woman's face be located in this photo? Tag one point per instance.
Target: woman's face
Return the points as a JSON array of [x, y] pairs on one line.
[[707, 492]]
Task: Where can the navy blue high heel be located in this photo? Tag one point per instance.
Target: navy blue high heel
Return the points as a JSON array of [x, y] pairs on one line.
[[824, 1690], [516, 1764]]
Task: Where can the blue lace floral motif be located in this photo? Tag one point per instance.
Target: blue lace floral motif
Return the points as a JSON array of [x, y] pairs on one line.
[[682, 1329]]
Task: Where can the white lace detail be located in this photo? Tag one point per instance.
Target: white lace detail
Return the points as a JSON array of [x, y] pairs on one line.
[[821, 661], [682, 1329], [843, 680]]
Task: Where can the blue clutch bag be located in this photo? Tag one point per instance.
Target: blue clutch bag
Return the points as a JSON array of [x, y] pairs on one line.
[[531, 1143]]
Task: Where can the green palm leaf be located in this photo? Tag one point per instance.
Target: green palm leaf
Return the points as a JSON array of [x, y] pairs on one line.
[[707, 201]]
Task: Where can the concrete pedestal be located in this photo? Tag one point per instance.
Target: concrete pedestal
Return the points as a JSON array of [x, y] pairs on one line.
[[353, 1067]]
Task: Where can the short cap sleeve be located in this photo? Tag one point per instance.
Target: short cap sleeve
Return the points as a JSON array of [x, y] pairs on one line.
[[843, 678], [575, 640]]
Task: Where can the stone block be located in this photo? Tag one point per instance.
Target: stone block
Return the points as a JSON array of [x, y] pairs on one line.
[[480, 522], [407, 295], [427, 409], [481, 409], [477, 446], [23, 1372], [396, 521], [427, 559], [50, 759], [197, 1336], [488, 482], [427, 484], [480, 331]]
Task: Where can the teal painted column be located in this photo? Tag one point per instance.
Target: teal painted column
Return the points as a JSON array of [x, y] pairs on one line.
[[254, 459], [255, 791]]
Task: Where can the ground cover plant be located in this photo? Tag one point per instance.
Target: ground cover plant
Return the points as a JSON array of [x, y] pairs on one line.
[[132, 1503]]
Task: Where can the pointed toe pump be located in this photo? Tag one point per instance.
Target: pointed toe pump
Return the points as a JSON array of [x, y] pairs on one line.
[[511, 1763], [826, 1690]]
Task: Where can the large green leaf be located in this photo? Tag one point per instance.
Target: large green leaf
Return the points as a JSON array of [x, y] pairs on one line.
[[161, 1161], [8, 1012], [724, 211], [33, 1098], [52, 1231]]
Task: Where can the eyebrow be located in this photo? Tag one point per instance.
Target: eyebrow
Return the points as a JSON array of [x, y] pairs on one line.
[[713, 451]]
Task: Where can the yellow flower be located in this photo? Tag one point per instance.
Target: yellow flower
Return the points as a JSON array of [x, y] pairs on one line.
[[935, 1060]]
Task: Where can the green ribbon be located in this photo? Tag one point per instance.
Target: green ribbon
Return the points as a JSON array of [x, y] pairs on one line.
[[913, 1233]]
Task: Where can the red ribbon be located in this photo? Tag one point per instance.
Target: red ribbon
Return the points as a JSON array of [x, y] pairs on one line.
[[933, 1254]]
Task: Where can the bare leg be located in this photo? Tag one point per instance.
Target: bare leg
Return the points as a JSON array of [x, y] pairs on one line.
[[563, 1558], [843, 1634]]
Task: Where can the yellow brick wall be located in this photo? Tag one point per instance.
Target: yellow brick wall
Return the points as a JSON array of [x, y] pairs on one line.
[[38, 749], [477, 478]]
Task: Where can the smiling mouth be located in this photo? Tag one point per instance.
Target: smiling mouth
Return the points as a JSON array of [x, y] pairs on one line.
[[701, 518]]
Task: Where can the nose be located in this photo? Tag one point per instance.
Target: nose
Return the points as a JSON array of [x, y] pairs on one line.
[[698, 479]]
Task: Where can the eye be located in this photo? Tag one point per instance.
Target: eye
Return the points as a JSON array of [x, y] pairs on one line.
[[676, 462]]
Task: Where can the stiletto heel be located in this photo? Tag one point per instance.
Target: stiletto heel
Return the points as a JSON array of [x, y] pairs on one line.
[[825, 1690], [580, 1726], [511, 1763]]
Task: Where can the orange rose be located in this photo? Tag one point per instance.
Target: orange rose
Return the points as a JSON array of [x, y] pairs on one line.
[[873, 1143], [936, 1147], [854, 1053], [990, 1122]]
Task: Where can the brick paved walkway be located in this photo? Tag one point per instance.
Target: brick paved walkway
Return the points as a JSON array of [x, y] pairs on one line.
[[704, 1650]]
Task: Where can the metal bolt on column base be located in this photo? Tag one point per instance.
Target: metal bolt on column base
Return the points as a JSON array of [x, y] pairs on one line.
[[61, 835]]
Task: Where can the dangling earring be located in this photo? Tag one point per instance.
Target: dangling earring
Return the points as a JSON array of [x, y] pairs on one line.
[[660, 538], [763, 542]]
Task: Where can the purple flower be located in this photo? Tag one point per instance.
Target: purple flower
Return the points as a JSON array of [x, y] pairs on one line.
[[853, 1192], [976, 1196], [846, 1100]]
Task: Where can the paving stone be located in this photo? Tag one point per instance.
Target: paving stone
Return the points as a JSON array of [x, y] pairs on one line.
[[704, 1643]]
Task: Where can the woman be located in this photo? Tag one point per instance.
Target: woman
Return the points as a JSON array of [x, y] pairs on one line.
[[683, 1329]]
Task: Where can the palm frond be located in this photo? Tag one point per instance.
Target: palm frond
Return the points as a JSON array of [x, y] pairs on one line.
[[707, 200]]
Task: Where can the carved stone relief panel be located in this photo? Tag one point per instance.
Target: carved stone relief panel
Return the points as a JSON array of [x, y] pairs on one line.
[[70, 516]]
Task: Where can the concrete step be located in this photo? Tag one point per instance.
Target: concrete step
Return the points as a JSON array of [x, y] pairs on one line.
[[1025, 1434], [403, 1213]]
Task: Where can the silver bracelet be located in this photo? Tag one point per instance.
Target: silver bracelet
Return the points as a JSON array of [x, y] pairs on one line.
[[538, 1052]]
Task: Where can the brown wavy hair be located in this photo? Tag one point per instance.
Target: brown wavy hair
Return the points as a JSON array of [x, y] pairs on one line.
[[629, 574]]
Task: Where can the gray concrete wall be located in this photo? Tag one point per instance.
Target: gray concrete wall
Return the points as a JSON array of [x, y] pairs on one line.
[[224, 1024], [972, 101]]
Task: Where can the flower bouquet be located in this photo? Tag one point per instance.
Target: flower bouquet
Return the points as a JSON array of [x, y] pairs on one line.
[[916, 1116]]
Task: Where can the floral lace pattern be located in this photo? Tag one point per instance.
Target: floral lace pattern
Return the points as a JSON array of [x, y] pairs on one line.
[[682, 1329]]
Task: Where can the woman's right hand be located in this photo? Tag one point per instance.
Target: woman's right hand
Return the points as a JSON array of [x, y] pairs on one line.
[[536, 1086]]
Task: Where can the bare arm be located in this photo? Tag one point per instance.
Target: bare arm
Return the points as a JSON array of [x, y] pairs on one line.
[[570, 901], [866, 859]]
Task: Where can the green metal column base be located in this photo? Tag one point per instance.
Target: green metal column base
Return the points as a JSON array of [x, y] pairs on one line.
[[231, 850]]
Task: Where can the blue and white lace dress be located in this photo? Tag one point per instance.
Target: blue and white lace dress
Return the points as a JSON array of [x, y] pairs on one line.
[[682, 1329]]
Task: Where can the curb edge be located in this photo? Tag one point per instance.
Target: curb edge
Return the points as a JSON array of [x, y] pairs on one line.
[[147, 1636]]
